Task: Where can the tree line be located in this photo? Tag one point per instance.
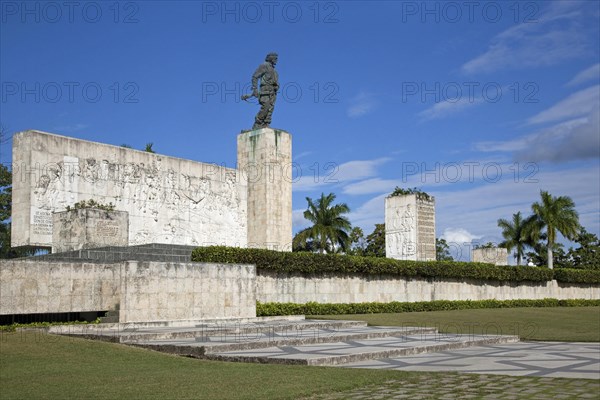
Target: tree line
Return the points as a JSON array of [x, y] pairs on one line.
[[332, 232], [538, 232]]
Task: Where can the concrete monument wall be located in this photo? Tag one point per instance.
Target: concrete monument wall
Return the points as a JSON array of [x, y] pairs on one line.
[[169, 200], [283, 288], [40, 287], [145, 291], [265, 160], [158, 291], [410, 228], [494, 255], [88, 228]]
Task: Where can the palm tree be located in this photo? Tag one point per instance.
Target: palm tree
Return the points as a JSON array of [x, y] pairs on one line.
[[329, 232], [518, 234], [556, 214]]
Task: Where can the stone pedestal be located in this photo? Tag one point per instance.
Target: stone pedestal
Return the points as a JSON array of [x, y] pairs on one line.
[[265, 163], [491, 255], [410, 227], [88, 228]]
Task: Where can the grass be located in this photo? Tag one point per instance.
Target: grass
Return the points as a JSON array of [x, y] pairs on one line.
[[568, 324], [41, 366], [34, 365]]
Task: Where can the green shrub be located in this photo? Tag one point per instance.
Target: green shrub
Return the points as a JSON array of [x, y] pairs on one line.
[[14, 326], [309, 263], [569, 275], [275, 309]]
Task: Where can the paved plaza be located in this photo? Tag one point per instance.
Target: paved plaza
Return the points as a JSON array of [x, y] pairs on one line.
[[547, 359], [471, 386]]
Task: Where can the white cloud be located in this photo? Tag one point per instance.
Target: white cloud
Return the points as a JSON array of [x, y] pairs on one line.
[[361, 104], [574, 139], [302, 155], [331, 174], [359, 169], [369, 186], [369, 213], [298, 220], [308, 183], [578, 104], [503, 146], [459, 235], [589, 74], [553, 38], [527, 141], [446, 108]]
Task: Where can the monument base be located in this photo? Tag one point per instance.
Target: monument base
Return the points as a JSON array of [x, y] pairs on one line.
[[265, 164], [89, 228]]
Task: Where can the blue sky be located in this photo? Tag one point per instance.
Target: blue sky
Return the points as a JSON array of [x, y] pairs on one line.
[[481, 104]]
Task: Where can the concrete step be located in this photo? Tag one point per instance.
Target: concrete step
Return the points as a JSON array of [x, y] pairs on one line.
[[146, 252], [125, 333], [169, 330], [109, 320], [219, 343], [342, 352]]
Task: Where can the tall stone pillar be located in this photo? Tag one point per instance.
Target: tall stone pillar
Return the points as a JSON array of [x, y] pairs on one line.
[[265, 163], [410, 227]]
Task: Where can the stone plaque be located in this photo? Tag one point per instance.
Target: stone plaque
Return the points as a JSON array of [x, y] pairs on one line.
[[41, 222], [89, 228], [410, 228], [107, 229]]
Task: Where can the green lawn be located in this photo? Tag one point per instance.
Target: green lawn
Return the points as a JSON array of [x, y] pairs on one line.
[[40, 366], [569, 324]]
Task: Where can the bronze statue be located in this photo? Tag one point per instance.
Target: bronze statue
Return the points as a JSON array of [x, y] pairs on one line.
[[269, 84]]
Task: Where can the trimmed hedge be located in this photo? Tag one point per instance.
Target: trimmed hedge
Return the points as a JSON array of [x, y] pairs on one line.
[[14, 326], [309, 263], [571, 275], [275, 309]]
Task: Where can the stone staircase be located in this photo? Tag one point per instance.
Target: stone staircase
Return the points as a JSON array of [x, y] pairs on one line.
[[113, 254], [111, 317], [285, 340]]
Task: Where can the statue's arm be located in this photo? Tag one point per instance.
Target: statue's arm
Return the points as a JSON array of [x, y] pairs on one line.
[[260, 71]]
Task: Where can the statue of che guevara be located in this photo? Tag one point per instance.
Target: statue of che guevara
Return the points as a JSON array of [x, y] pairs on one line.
[[267, 94]]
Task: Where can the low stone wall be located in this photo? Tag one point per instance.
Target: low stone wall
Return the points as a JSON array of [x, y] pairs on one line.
[[40, 287], [145, 291], [162, 291], [157, 291], [284, 288]]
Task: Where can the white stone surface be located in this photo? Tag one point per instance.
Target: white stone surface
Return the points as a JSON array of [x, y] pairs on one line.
[[89, 228], [265, 163], [145, 291], [39, 287], [158, 291], [409, 228], [355, 289], [169, 200], [493, 255]]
